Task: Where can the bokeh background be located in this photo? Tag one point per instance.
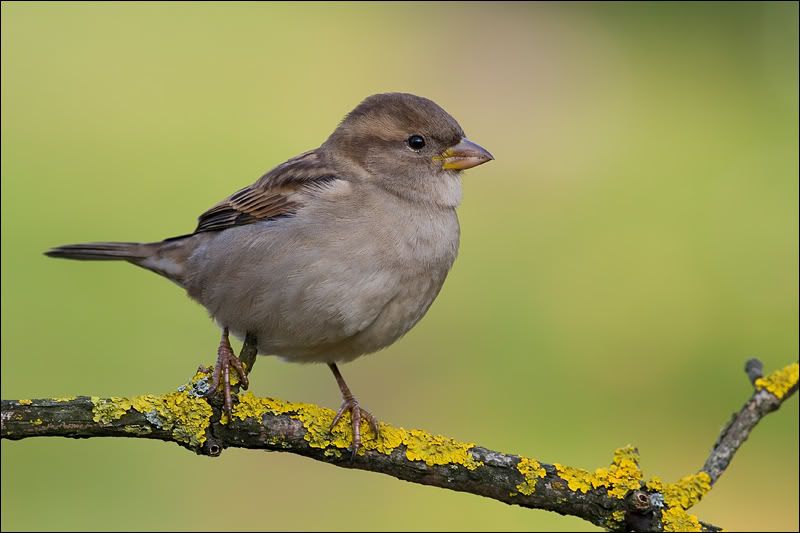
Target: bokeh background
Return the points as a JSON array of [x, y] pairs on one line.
[[635, 241]]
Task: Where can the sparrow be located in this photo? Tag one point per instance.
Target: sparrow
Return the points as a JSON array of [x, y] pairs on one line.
[[334, 254]]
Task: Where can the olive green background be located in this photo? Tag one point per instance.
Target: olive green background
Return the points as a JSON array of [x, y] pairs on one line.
[[635, 241]]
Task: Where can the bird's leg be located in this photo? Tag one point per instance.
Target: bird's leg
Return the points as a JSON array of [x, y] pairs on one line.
[[249, 351], [225, 360], [356, 413]]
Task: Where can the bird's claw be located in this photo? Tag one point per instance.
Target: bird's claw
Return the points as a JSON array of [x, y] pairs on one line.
[[356, 414], [222, 372]]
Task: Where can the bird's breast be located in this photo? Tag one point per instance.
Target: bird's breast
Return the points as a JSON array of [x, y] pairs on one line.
[[330, 284], [417, 253]]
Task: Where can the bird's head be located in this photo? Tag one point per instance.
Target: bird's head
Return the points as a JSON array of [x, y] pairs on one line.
[[408, 145]]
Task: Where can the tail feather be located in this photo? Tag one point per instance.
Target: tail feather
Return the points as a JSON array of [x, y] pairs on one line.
[[166, 258], [102, 251]]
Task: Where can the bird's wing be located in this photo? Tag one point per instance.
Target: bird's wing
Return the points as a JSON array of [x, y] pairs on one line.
[[276, 194]]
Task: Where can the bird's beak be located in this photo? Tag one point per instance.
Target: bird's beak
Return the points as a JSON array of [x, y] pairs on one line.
[[466, 154]]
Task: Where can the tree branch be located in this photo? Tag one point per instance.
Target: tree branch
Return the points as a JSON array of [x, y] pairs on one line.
[[615, 497], [770, 393]]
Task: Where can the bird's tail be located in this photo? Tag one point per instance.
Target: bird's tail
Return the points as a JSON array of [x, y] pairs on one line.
[[167, 258], [104, 251]]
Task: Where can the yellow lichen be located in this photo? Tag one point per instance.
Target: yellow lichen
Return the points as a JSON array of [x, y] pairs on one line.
[[420, 445], [24, 402], [655, 484], [779, 382], [677, 519], [687, 491], [185, 415], [137, 430], [333, 452], [622, 476], [37, 422], [616, 521], [106, 410], [64, 399], [531, 470], [680, 496], [577, 479], [438, 450]]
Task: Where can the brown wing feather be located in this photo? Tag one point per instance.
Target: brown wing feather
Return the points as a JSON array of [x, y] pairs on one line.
[[274, 195]]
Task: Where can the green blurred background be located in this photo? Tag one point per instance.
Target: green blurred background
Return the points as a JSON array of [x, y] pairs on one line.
[[635, 241]]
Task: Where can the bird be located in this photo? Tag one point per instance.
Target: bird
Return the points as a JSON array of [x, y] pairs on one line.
[[335, 253]]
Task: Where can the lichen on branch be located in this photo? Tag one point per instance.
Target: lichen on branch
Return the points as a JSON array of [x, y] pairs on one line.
[[616, 497]]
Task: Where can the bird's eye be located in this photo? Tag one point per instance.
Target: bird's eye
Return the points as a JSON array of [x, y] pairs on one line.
[[416, 142]]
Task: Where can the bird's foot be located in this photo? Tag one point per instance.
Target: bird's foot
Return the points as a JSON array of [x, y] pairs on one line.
[[226, 360], [356, 415]]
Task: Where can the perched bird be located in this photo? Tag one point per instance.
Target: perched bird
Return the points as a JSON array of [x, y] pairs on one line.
[[335, 253]]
